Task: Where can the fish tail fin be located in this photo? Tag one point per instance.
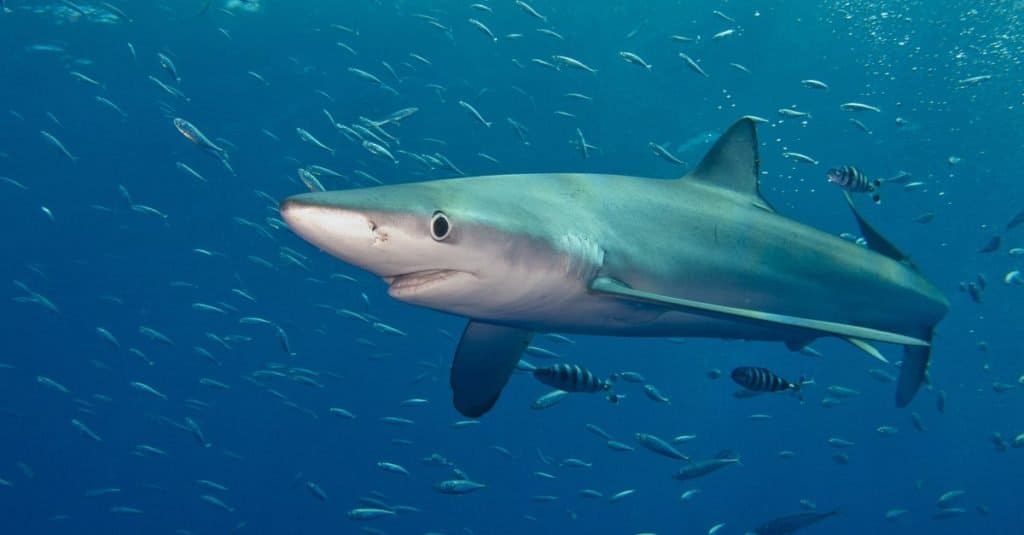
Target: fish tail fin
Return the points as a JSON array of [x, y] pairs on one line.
[[913, 371], [799, 385], [610, 395]]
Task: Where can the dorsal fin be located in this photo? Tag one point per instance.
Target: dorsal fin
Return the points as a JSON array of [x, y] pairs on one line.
[[733, 162], [877, 242]]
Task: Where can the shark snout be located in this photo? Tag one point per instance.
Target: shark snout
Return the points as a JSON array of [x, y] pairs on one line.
[[319, 222], [347, 233], [387, 243]]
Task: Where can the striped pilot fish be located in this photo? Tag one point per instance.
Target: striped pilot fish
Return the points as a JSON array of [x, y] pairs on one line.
[[853, 180], [573, 378], [762, 380]]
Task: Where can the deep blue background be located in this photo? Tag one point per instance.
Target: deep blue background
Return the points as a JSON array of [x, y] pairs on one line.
[[904, 57]]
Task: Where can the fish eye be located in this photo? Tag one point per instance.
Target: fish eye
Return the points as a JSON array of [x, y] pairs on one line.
[[440, 226]]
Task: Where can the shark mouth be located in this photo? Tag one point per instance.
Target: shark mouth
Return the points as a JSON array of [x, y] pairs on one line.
[[419, 281]]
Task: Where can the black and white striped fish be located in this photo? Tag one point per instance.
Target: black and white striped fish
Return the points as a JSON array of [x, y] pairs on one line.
[[853, 180], [761, 380], [573, 378]]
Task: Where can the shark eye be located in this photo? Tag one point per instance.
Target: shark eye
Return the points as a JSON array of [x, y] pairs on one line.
[[440, 226]]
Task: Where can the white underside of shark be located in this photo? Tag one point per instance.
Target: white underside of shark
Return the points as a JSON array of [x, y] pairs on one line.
[[700, 256]]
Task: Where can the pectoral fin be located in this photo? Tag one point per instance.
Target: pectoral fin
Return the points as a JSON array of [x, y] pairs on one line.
[[613, 287], [486, 356], [868, 348]]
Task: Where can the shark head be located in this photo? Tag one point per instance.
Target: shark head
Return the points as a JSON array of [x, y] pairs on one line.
[[450, 245]]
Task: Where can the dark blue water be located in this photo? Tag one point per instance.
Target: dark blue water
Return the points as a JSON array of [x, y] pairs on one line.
[[104, 264]]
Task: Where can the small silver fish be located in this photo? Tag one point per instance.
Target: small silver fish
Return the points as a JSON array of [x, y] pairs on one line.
[[548, 400], [458, 486], [693, 65], [630, 57], [858, 106]]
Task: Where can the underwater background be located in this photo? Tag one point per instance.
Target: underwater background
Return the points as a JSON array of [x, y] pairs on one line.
[[140, 395]]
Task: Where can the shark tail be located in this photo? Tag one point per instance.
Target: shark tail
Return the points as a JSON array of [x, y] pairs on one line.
[[913, 370]]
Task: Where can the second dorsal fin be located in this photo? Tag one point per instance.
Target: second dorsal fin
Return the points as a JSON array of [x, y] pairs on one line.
[[733, 162]]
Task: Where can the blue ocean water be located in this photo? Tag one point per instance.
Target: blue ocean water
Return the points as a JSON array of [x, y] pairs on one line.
[[109, 239]]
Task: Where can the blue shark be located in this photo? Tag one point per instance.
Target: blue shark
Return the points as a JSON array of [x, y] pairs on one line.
[[704, 255]]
